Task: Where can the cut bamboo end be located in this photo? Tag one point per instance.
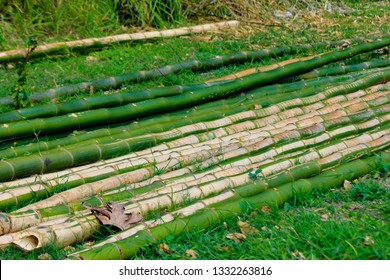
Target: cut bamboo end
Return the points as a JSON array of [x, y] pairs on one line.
[[29, 240]]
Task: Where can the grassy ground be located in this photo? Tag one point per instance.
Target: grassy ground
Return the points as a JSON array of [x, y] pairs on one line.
[[346, 223]]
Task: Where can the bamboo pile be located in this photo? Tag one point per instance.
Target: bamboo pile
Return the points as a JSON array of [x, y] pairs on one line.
[[166, 161]]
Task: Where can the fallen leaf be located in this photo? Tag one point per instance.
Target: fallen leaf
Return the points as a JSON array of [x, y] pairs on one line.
[[298, 255], [324, 217], [91, 58], [368, 241], [236, 237], [276, 227], [264, 229], [246, 228], [223, 248], [88, 243], [164, 248], [45, 256], [113, 215], [347, 185], [266, 209], [191, 254]]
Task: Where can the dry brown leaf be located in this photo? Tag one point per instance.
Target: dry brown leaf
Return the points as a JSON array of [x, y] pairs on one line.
[[236, 237], [114, 215], [324, 217], [45, 256], [266, 209], [191, 254], [164, 248], [347, 185], [223, 248], [246, 228], [298, 255], [91, 58], [368, 241]]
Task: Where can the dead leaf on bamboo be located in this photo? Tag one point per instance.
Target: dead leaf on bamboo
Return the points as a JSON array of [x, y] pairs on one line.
[[113, 214]]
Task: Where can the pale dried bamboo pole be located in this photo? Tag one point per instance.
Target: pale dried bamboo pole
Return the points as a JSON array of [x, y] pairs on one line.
[[378, 140], [7, 239], [55, 175], [186, 211], [19, 191], [73, 230], [36, 187], [299, 144], [83, 44], [189, 209]]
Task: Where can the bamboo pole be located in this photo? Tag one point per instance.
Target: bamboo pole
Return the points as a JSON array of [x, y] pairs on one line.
[[98, 43], [169, 120], [20, 167], [164, 104], [44, 235], [117, 81], [352, 106], [216, 213]]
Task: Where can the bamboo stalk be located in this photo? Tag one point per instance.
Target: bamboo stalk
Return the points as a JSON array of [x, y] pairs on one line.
[[79, 178], [216, 213], [95, 102], [90, 189], [20, 167], [167, 121], [164, 104], [294, 174], [98, 43], [117, 81]]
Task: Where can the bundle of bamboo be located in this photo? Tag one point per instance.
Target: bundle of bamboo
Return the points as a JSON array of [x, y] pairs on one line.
[[204, 162]]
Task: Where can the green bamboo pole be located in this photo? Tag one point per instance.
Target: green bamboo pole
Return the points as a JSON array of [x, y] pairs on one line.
[[119, 99], [96, 173], [95, 102], [292, 174], [129, 246], [117, 81], [169, 120], [255, 187], [344, 69], [164, 104], [98, 43], [89, 173], [268, 117], [288, 145], [25, 166]]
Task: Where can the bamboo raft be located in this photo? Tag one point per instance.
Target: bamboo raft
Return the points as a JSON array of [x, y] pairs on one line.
[[195, 154]]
